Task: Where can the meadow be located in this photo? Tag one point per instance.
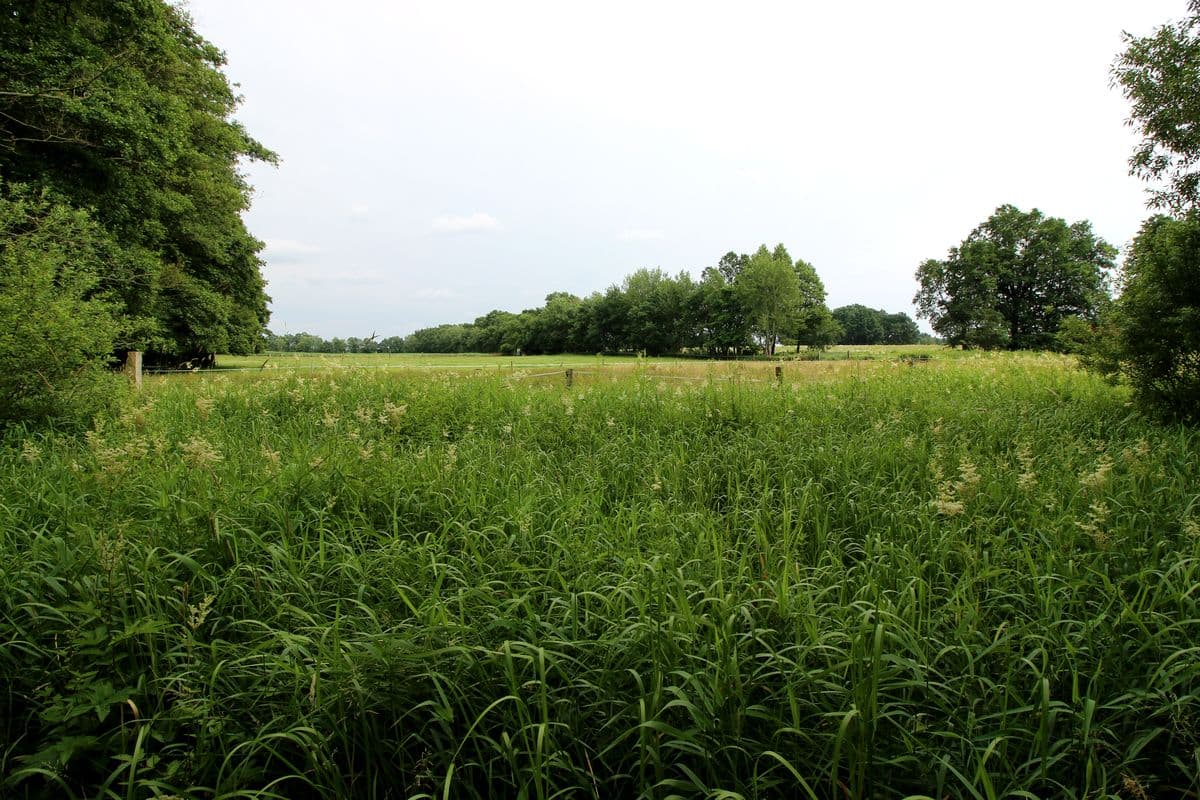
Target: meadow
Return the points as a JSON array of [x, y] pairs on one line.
[[510, 364], [975, 577]]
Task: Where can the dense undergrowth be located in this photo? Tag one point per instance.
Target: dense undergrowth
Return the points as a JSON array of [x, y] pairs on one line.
[[974, 579]]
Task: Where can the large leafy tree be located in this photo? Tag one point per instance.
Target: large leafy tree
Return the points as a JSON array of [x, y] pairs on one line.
[[860, 325], [120, 107], [554, 325], [731, 265], [1160, 75], [863, 325], [770, 292], [658, 319], [1014, 280], [721, 318], [900, 328], [815, 325]]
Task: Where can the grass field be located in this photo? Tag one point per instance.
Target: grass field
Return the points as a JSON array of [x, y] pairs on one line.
[[976, 577], [460, 361]]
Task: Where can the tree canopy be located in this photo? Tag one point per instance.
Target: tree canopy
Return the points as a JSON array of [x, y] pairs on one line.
[[863, 325], [1014, 280], [815, 326], [120, 107], [770, 292], [1160, 76]]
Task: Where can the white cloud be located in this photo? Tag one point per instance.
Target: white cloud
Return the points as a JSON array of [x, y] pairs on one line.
[[755, 176], [359, 210], [431, 293], [477, 222], [313, 274], [285, 250], [639, 234]]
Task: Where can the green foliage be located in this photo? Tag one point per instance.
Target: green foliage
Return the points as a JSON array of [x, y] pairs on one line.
[[814, 325], [1014, 280], [118, 106], [1152, 334], [439, 339], [974, 578], [899, 328], [861, 325], [1155, 326], [554, 325], [723, 320], [731, 265], [658, 318], [56, 330], [770, 291], [1160, 76], [650, 312], [821, 331]]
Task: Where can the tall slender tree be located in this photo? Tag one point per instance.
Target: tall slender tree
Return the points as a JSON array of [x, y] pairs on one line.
[[771, 294]]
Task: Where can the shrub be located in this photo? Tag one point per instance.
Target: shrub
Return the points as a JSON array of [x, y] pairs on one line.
[[56, 333], [1157, 318]]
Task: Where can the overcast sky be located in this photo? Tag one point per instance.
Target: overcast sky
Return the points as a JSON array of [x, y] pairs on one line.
[[441, 159]]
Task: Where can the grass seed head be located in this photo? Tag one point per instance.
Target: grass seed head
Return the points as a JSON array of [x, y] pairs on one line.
[[204, 405], [30, 452], [1094, 524], [198, 452], [198, 613], [1098, 477]]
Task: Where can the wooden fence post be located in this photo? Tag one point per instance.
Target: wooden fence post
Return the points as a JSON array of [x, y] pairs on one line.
[[779, 374], [133, 367], [570, 377]]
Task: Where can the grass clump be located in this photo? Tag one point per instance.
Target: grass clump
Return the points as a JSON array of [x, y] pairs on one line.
[[971, 579]]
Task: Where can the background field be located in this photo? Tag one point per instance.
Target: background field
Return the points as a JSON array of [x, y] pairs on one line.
[[512, 363], [973, 577]]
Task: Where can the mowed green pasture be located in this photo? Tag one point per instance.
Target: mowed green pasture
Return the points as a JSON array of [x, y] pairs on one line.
[[968, 578], [318, 361]]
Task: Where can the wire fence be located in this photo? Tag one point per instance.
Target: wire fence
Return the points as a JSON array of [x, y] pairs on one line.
[[566, 369], [275, 364]]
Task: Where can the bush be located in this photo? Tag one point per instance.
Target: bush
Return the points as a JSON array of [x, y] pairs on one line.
[[56, 334], [1157, 319]]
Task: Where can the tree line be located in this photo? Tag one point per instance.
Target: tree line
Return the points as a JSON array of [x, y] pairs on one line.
[[742, 305], [120, 228]]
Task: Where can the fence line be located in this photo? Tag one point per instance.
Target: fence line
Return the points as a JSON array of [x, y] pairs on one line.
[[564, 367]]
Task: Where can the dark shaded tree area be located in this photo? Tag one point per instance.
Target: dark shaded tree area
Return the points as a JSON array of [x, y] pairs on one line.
[[119, 108], [862, 325]]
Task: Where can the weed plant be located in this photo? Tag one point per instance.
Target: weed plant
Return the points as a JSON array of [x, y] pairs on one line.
[[970, 579]]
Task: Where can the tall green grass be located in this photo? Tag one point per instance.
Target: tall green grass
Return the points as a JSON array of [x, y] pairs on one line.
[[975, 579]]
